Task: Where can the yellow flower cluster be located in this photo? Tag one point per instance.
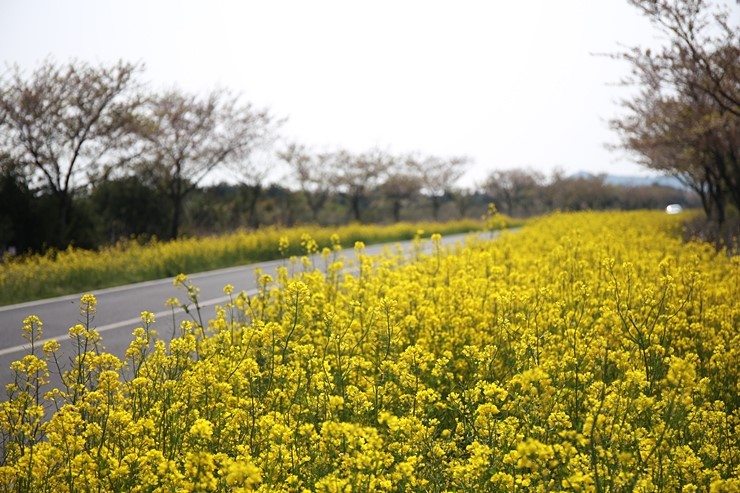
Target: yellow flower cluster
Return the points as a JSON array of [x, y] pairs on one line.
[[586, 352], [74, 270]]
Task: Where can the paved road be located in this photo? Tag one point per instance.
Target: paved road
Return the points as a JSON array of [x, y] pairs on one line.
[[119, 309]]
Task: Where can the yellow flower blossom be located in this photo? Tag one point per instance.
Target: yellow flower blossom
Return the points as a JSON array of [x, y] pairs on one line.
[[586, 352]]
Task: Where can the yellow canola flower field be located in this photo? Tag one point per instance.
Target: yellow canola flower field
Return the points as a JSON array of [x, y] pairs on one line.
[[74, 270], [585, 352]]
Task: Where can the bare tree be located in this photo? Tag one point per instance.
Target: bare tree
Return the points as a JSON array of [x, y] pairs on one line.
[[252, 174], [313, 174], [67, 124], [689, 141], [356, 175], [515, 190], [438, 176], [402, 183], [702, 51], [188, 136], [684, 119], [464, 199]]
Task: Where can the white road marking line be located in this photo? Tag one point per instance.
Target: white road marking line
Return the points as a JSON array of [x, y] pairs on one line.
[[123, 323], [133, 321]]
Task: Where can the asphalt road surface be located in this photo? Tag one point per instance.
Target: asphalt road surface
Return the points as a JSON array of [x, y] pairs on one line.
[[119, 309]]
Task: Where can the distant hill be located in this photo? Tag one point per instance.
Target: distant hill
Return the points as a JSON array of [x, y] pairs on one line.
[[635, 181]]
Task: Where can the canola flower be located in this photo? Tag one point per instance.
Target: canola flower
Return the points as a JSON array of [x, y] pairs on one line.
[[586, 352], [74, 270]]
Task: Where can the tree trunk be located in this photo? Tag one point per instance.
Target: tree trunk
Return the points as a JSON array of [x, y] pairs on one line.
[[436, 204], [462, 206], [397, 210], [316, 201], [700, 188], [176, 207], [509, 201], [719, 203], [176, 196], [728, 168], [355, 205], [255, 192], [65, 217]]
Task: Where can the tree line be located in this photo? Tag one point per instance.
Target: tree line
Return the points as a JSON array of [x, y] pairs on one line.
[[78, 140], [90, 153]]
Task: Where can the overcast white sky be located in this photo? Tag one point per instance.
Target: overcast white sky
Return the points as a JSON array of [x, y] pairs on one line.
[[509, 84]]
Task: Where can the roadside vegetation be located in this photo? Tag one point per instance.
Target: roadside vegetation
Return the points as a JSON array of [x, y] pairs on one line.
[[586, 352], [73, 270]]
